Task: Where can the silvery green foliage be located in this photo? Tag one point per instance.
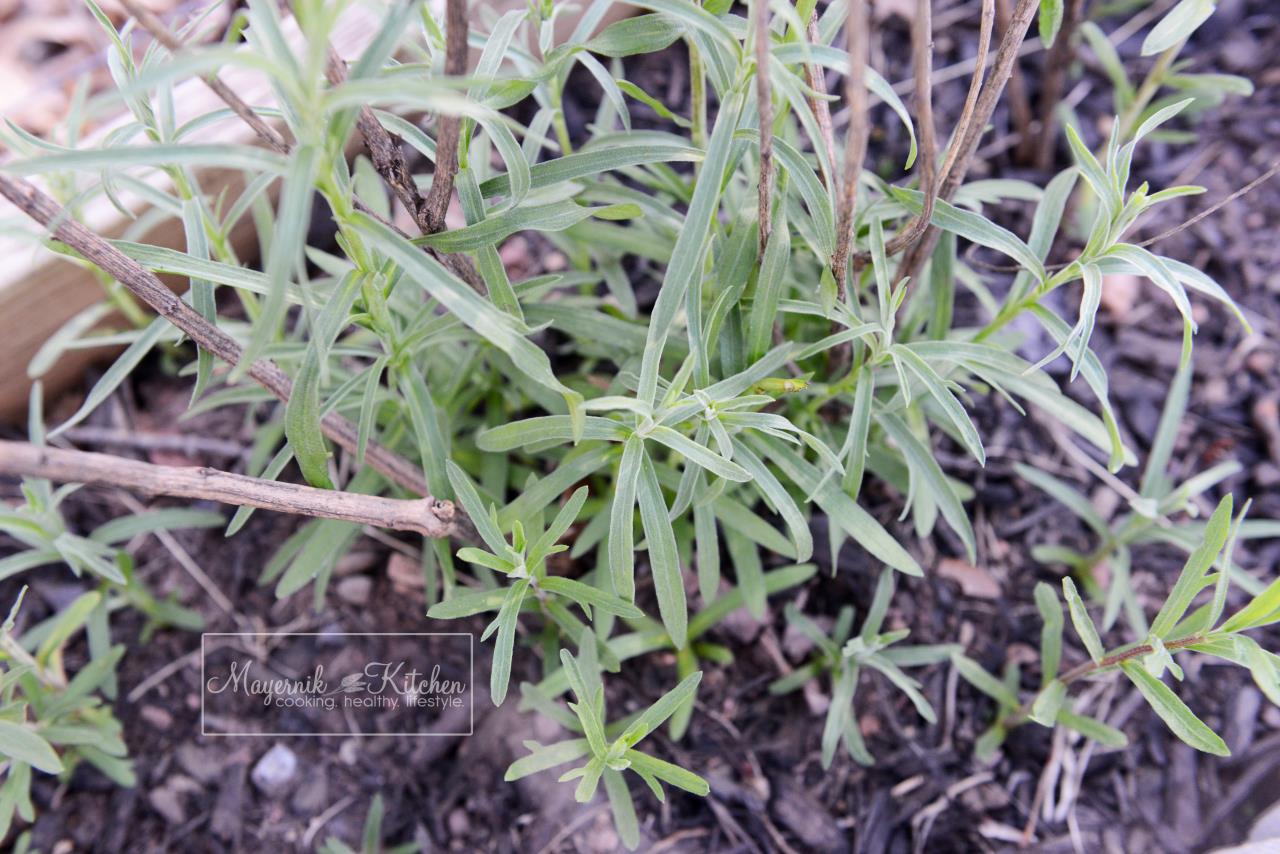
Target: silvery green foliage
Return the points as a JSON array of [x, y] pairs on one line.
[[707, 428], [52, 720]]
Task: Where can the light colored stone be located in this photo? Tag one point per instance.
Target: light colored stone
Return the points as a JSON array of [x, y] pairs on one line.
[[355, 589], [275, 770]]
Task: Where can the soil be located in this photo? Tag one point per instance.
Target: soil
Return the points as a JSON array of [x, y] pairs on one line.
[[760, 753]]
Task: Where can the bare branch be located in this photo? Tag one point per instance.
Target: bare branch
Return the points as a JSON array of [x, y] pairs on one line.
[[431, 215], [384, 147], [927, 156], [1266, 176], [425, 516], [857, 31], [965, 141], [817, 80], [764, 106], [147, 287], [162, 34], [975, 86]]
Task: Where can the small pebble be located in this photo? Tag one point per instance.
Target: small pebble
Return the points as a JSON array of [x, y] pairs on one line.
[[459, 823], [275, 770], [156, 716], [355, 589]]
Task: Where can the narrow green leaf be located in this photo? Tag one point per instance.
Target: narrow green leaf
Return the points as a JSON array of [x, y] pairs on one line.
[[23, 745], [1048, 703], [664, 558], [1191, 579], [1090, 728], [977, 676], [1050, 633], [1177, 25], [1180, 719], [622, 518], [589, 596], [1081, 620], [508, 617]]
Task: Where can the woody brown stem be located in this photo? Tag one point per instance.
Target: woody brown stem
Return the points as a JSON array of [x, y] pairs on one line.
[[817, 81], [965, 141], [383, 146], [857, 27], [425, 516], [1055, 75], [431, 215], [927, 156], [764, 106]]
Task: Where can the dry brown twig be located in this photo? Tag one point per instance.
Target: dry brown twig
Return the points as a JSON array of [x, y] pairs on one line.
[[985, 29], [817, 80], [764, 106], [425, 516], [384, 147], [972, 125], [144, 284], [431, 215], [857, 33], [927, 155], [161, 33]]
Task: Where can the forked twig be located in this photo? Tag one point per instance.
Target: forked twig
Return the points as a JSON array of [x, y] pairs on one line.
[[144, 284], [927, 156], [764, 106], [384, 147], [431, 214], [857, 26], [425, 516], [965, 141]]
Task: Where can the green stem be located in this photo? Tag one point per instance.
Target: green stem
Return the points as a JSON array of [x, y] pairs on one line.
[[1150, 85], [698, 97], [557, 120]]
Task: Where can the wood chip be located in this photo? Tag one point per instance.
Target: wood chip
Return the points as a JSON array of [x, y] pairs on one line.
[[973, 581]]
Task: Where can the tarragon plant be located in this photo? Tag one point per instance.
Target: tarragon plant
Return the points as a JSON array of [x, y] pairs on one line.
[[746, 329], [1177, 627], [844, 658], [610, 749]]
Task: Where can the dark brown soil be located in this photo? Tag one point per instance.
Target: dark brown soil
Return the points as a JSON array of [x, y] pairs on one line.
[[926, 791]]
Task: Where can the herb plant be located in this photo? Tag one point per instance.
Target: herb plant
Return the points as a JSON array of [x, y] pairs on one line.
[[844, 658], [783, 331]]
